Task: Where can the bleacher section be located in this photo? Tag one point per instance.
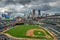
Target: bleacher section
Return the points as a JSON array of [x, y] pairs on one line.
[[6, 24]]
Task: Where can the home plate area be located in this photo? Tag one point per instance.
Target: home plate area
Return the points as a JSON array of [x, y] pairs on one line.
[[37, 33]]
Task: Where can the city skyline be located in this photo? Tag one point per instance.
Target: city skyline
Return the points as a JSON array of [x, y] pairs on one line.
[[25, 6]]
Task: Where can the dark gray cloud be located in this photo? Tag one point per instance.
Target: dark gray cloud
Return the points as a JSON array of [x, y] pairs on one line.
[[27, 5], [41, 1], [16, 1], [42, 7], [27, 1], [55, 9], [46, 7], [53, 0]]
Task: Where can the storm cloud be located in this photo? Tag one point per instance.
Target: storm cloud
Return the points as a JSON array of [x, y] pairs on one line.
[[24, 6], [16, 1]]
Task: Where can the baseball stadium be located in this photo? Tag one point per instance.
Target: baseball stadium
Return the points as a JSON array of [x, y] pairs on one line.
[[21, 28]]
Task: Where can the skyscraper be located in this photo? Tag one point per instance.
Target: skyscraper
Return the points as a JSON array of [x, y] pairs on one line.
[[33, 13], [39, 13]]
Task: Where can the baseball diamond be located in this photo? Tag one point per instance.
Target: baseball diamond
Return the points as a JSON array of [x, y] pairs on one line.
[[30, 31]]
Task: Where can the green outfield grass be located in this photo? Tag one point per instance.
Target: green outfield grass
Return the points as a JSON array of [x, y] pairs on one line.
[[20, 32]]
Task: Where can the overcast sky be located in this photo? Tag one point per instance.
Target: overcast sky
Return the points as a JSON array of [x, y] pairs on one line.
[[25, 6]]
